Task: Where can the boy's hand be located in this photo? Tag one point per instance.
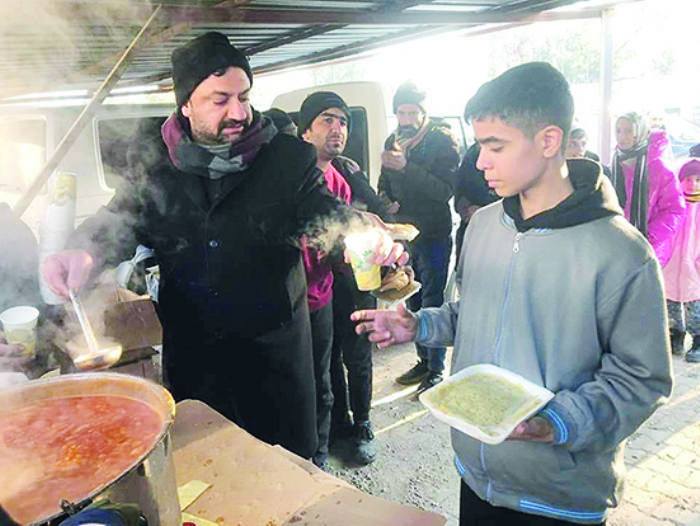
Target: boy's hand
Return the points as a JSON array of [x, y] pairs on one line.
[[387, 327], [537, 429]]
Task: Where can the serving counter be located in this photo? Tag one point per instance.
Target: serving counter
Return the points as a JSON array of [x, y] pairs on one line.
[[252, 483]]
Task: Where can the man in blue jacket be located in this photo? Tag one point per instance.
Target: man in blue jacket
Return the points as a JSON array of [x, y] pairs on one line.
[[559, 288]]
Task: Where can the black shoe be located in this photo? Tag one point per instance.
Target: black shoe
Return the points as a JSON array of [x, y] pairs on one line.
[[677, 342], [693, 356], [432, 379], [341, 431], [365, 449], [415, 375]]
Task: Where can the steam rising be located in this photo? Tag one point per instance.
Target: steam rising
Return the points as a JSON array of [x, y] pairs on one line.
[[326, 233], [47, 42]]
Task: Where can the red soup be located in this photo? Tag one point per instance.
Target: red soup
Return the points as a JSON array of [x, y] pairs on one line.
[[67, 448]]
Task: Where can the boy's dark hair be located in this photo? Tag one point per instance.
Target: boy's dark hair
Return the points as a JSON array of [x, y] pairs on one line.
[[528, 97]]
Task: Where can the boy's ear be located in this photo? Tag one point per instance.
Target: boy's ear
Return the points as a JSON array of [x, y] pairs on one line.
[[551, 138]]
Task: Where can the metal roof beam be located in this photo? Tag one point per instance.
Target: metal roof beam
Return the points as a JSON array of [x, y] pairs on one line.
[[223, 15]]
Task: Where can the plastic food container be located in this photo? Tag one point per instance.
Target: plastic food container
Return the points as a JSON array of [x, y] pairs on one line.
[[500, 399]]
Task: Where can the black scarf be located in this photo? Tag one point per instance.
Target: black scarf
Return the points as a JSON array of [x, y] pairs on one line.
[[640, 183]]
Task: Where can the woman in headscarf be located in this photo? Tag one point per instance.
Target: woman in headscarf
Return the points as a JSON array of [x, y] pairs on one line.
[[649, 191]]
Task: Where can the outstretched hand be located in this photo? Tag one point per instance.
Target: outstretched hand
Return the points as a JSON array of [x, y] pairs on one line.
[[386, 327]]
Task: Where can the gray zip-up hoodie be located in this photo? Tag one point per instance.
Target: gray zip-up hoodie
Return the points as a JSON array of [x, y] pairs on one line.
[[571, 299]]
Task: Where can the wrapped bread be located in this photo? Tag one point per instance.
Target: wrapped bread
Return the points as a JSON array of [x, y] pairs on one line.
[[402, 231], [398, 285]]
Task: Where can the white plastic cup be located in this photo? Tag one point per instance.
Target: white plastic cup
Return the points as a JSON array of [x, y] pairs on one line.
[[360, 248], [19, 326]]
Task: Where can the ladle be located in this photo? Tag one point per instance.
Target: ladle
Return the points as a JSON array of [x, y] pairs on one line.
[[98, 356]]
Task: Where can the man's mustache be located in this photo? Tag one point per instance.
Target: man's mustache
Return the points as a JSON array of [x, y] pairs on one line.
[[232, 124]]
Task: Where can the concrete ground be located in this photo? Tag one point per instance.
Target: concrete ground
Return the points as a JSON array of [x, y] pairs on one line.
[[414, 463]]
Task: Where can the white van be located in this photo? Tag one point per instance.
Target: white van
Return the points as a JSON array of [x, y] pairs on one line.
[[29, 136]]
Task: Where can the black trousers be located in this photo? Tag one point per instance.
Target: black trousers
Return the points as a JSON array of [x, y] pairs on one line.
[[473, 511], [354, 351], [322, 336]]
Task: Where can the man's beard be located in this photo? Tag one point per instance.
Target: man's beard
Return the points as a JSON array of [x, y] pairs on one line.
[[406, 132], [206, 137], [330, 148]]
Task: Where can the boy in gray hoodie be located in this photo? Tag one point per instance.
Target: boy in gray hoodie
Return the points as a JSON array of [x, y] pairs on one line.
[[555, 286]]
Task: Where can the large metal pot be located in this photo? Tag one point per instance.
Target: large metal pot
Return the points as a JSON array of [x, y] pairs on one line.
[[149, 481]]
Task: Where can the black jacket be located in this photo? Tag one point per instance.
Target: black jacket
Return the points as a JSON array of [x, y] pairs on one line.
[[424, 187], [232, 292], [364, 197]]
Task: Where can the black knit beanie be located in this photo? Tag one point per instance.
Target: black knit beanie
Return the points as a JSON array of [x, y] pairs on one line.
[[199, 58], [315, 104], [409, 93]]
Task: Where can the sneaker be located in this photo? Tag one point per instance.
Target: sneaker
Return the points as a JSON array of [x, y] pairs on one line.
[[431, 379], [415, 375], [319, 460], [693, 356], [365, 450], [677, 342]]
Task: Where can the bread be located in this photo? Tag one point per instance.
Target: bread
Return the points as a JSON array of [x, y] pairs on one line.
[[402, 231], [394, 280]]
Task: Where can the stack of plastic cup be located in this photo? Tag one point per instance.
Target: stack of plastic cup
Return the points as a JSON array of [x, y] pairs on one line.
[[57, 224]]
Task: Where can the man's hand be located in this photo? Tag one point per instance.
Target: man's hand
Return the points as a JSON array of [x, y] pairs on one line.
[[12, 356], [394, 160], [537, 429], [67, 270], [387, 252], [386, 327]]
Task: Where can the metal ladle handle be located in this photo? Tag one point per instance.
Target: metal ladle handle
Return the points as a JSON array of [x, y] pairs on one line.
[[84, 322]]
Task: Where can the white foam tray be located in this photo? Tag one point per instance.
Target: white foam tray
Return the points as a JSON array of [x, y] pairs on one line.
[[540, 394]]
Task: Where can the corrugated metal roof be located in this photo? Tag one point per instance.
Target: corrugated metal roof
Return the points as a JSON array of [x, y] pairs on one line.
[[48, 45]]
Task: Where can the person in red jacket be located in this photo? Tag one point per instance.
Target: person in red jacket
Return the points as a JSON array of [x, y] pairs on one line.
[[324, 121]]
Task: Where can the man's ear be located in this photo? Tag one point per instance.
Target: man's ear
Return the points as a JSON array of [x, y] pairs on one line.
[[306, 135], [186, 109], [551, 138]]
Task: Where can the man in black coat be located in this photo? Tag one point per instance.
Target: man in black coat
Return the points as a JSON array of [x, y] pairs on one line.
[[222, 199], [419, 163]]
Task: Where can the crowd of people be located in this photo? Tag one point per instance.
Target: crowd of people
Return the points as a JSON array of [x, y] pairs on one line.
[[561, 267]]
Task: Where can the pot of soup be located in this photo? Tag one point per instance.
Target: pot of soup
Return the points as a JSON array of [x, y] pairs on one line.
[[66, 442]]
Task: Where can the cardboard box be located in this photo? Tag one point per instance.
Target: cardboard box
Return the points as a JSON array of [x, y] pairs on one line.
[[123, 316], [255, 484]]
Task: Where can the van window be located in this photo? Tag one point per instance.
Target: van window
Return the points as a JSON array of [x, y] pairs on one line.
[[114, 135], [22, 151], [357, 147]]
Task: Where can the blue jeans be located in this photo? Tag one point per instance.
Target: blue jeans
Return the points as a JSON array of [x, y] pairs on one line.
[[430, 260]]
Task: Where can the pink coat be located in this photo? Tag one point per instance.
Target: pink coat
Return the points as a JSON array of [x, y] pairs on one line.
[[682, 272], [665, 203]]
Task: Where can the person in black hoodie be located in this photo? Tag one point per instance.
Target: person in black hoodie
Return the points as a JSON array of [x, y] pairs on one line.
[[471, 193], [419, 163]]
